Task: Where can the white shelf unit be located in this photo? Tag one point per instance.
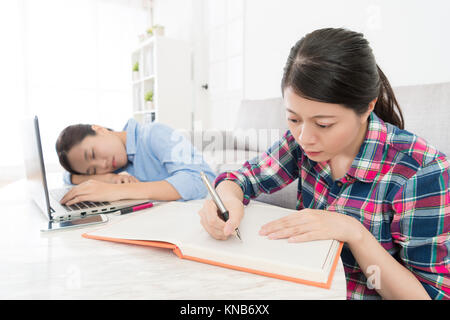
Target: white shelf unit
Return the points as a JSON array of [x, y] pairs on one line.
[[165, 68]]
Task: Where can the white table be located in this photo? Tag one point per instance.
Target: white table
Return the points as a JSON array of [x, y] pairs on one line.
[[64, 265]]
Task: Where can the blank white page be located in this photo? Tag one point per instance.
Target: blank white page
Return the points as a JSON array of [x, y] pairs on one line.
[[179, 223], [260, 253]]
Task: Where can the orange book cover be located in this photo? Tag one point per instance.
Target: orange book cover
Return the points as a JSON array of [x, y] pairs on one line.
[[135, 230]]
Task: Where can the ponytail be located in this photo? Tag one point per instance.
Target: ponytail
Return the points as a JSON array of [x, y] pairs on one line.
[[387, 107], [338, 66]]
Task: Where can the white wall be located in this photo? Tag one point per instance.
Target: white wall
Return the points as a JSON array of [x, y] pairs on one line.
[[185, 20], [409, 37], [176, 17]]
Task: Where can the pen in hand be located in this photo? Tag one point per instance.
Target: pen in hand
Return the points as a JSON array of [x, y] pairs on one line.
[[223, 212]]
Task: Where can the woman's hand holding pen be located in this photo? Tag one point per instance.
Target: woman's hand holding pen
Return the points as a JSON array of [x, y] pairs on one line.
[[214, 225], [231, 195]]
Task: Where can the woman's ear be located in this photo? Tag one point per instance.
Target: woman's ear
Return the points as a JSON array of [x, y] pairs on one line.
[[372, 105], [99, 129], [370, 108]]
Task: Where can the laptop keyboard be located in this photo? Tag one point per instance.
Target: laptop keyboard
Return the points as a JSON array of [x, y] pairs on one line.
[[58, 194]]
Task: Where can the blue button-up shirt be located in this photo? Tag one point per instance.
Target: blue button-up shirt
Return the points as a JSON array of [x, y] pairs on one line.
[[157, 152]]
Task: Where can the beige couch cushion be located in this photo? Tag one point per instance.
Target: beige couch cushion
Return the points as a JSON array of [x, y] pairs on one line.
[[426, 109], [260, 123], [221, 160], [230, 160]]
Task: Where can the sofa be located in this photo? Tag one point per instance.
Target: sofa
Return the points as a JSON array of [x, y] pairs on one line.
[[426, 111]]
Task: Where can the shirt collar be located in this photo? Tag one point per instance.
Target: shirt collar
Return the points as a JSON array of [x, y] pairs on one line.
[[131, 128], [368, 162]]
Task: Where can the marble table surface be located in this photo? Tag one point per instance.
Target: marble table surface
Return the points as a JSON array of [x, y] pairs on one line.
[[64, 265]]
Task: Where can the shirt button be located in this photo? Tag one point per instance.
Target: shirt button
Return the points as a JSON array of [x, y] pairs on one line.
[[339, 184]]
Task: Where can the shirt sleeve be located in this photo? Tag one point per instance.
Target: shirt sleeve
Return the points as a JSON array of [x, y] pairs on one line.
[[271, 171], [67, 178], [421, 226], [182, 162]]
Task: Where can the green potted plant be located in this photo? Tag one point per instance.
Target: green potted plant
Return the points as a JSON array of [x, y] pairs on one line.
[[149, 100], [136, 71], [158, 30], [155, 30]]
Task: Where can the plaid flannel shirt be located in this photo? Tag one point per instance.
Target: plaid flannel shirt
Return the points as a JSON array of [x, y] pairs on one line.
[[397, 187]]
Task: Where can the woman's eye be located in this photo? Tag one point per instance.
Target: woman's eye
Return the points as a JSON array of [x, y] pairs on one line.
[[323, 126]]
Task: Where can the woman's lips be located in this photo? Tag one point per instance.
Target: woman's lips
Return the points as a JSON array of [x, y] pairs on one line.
[[313, 153], [114, 164]]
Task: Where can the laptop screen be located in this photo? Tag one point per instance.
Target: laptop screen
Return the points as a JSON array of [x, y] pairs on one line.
[[34, 165]]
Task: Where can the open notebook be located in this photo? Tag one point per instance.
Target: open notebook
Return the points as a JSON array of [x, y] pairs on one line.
[[176, 226]]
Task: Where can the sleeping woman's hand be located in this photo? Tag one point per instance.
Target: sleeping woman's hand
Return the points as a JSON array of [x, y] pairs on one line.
[[93, 190], [123, 177]]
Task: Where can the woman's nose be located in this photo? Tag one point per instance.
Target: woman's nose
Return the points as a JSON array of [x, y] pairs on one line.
[[306, 136]]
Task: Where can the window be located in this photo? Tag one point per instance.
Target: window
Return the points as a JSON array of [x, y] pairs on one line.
[[67, 61]]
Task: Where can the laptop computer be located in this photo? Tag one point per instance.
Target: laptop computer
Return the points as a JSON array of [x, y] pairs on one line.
[[48, 200]]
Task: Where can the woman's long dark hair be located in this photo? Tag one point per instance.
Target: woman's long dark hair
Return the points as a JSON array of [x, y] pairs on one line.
[[68, 138], [337, 66]]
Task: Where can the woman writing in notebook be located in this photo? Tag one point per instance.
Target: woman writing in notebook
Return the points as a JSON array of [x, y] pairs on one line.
[[362, 179], [150, 161]]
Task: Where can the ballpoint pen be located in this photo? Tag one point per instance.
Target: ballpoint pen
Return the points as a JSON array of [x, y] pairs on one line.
[[134, 208], [223, 212]]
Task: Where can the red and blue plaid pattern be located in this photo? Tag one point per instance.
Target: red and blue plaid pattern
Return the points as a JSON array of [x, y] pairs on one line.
[[397, 187]]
